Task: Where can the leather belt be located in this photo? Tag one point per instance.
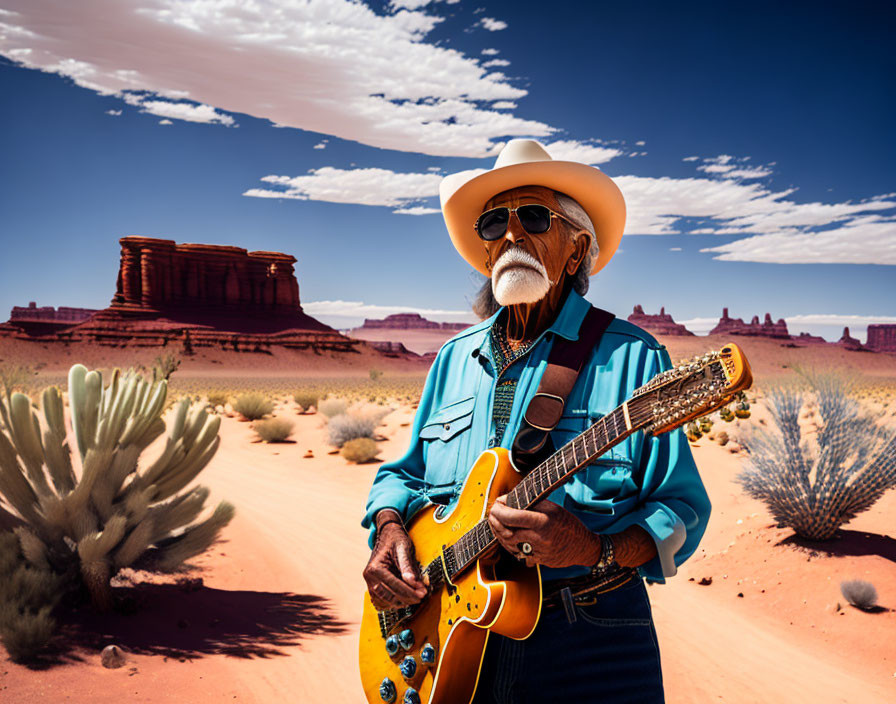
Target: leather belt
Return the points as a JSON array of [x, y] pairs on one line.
[[583, 590]]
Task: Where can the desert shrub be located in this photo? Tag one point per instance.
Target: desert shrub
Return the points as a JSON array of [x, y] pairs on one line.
[[274, 429], [305, 400], [253, 406], [164, 366], [816, 483], [331, 407], [217, 398], [359, 450], [27, 597], [349, 426], [111, 516], [375, 374], [859, 593]]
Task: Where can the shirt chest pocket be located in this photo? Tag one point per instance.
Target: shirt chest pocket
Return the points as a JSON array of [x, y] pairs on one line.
[[446, 439], [606, 478]]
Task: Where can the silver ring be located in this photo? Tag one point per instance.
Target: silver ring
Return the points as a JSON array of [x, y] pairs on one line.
[[525, 548]]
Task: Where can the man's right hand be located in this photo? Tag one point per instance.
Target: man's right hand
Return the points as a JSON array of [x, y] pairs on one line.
[[392, 573]]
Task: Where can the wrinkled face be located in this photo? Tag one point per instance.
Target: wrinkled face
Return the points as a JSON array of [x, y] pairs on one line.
[[525, 267]]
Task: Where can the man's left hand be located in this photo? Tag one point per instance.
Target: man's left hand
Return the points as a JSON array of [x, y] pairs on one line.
[[557, 537]]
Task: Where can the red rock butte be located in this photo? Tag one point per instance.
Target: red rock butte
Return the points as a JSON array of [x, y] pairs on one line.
[[202, 294], [736, 326], [661, 324], [881, 338], [410, 321]]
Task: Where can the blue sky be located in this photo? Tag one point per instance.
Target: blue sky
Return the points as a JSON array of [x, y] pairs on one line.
[[753, 143]]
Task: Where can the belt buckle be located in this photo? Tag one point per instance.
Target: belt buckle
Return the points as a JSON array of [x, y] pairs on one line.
[[582, 601]]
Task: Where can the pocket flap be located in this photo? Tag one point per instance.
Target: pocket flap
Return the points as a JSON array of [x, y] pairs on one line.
[[449, 420]]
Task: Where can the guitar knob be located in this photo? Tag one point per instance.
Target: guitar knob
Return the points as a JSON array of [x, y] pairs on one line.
[[411, 696], [427, 654], [388, 693], [406, 639], [408, 667], [392, 645]]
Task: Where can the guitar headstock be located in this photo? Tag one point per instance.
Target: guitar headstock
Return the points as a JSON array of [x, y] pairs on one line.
[[694, 388]]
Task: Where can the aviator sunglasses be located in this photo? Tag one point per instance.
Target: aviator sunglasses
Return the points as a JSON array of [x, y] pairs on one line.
[[535, 219]]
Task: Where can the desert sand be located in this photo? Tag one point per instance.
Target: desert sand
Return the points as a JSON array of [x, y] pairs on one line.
[[277, 615]]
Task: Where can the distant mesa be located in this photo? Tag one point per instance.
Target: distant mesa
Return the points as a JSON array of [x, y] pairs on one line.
[[881, 338], [45, 320], [736, 326], [201, 294], [812, 339], [849, 342], [661, 324], [410, 321]]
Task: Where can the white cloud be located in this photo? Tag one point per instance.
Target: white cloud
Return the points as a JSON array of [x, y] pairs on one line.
[[350, 313], [727, 166], [417, 210], [361, 186], [861, 240], [773, 228], [320, 145], [185, 111], [691, 158], [492, 25], [504, 105], [640, 143], [756, 172], [165, 122], [409, 4], [782, 230], [584, 152], [327, 66], [114, 113], [496, 62], [490, 52], [674, 249]]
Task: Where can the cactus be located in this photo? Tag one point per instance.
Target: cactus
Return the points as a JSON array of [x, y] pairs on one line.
[[815, 486], [109, 515]]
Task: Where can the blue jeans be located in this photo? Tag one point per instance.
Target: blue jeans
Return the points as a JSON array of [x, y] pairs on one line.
[[609, 654]]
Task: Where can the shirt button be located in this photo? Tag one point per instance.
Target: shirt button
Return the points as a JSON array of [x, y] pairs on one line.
[[491, 442], [614, 470], [447, 426]]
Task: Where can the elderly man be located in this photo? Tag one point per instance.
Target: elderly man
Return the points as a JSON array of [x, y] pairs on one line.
[[538, 228]]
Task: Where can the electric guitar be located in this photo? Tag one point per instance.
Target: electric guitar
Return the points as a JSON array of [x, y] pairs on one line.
[[432, 651]]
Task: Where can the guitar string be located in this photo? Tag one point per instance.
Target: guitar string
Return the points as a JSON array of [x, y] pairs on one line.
[[640, 413]]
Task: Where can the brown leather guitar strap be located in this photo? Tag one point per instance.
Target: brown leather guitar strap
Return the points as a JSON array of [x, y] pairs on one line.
[[532, 443]]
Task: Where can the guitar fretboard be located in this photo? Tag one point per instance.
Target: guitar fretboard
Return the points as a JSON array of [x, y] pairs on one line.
[[541, 481]]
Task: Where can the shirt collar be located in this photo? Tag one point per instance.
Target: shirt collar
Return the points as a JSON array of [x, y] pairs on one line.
[[566, 324]]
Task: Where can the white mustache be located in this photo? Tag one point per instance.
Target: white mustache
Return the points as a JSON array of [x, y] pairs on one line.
[[518, 257]]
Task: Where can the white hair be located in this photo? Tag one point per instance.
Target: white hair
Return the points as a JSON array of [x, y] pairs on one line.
[[485, 304]]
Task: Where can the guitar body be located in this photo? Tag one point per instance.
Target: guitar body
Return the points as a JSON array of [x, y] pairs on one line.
[[496, 594]]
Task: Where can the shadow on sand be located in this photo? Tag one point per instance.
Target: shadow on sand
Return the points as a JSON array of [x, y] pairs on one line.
[[185, 623], [847, 543]]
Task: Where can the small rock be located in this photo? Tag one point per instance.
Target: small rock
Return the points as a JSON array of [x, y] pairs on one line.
[[112, 657], [705, 580], [740, 594], [691, 579]]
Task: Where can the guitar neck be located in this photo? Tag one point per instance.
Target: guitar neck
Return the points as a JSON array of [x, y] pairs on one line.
[[574, 456]]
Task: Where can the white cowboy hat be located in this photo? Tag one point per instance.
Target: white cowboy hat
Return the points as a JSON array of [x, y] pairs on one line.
[[525, 162]]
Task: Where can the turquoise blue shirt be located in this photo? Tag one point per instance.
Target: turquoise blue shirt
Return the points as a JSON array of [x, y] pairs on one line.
[[453, 425]]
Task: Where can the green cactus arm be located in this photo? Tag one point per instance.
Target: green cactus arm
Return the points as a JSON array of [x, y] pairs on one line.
[[186, 472], [25, 433], [134, 545], [195, 539]]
